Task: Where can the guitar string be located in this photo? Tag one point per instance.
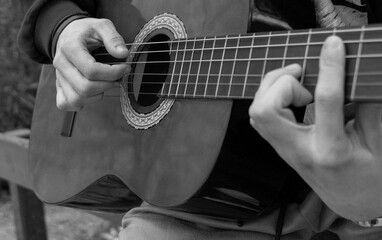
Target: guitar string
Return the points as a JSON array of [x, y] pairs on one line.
[[118, 85], [303, 44], [373, 73], [252, 36], [369, 28], [250, 94], [348, 57], [222, 93], [222, 84], [205, 86]]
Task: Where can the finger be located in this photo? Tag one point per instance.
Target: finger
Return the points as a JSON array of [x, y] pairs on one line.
[[78, 54], [74, 102], [287, 91], [272, 76], [368, 122], [329, 93], [61, 100], [275, 121], [72, 99], [83, 86], [274, 105], [112, 40]]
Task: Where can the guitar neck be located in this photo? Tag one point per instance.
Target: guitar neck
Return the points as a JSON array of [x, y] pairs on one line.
[[231, 67]]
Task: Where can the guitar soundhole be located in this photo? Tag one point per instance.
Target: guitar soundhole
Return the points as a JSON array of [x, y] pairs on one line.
[[151, 66]]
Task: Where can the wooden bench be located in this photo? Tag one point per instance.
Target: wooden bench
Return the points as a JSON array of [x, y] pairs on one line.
[[14, 168], [28, 209]]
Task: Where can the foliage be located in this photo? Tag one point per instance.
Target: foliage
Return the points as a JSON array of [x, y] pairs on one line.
[[18, 74]]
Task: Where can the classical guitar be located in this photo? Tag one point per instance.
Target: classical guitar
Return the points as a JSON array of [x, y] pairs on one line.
[[174, 132]]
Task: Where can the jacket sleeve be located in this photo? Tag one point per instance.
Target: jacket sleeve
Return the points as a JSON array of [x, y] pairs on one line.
[[374, 11], [43, 19]]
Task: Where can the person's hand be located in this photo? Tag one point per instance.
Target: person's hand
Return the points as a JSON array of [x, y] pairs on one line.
[[80, 80], [341, 162]]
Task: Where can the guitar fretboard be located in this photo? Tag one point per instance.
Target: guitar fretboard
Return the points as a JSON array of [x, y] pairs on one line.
[[231, 67]]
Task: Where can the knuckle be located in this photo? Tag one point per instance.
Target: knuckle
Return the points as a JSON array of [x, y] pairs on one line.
[[115, 39], [270, 75], [85, 90], [288, 78], [56, 61], [61, 105], [105, 23], [89, 72], [64, 106], [258, 112], [287, 81], [277, 73], [330, 62], [67, 49], [329, 159], [74, 102], [327, 96]]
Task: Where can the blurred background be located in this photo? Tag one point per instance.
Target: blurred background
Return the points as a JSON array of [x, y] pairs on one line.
[[18, 74], [18, 85]]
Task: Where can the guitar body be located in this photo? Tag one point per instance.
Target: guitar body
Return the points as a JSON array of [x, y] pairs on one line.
[[178, 162]]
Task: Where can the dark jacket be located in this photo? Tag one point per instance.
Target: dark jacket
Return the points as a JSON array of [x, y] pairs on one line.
[[46, 16]]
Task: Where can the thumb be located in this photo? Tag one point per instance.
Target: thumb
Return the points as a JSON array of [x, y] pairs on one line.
[[112, 40]]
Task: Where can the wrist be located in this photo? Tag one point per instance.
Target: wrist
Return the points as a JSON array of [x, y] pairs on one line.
[[50, 18], [60, 27]]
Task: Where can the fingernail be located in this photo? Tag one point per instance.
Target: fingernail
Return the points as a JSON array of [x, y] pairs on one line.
[[333, 42], [291, 66], [121, 48], [127, 69]]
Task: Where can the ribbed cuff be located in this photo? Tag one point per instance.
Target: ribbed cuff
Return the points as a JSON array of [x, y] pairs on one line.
[[51, 17], [60, 27]]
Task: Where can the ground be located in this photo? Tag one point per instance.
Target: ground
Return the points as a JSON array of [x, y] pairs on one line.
[[62, 223]]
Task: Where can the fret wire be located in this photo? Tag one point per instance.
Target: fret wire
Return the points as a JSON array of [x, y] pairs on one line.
[[189, 69], [221, 65], [200, 63], [162, 91], [357, 65], [233, 69], [305, 56], [181, 69], [375, 27], [266, 56], [248, 64], [285, 50], [173, 71], [209, 65]]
